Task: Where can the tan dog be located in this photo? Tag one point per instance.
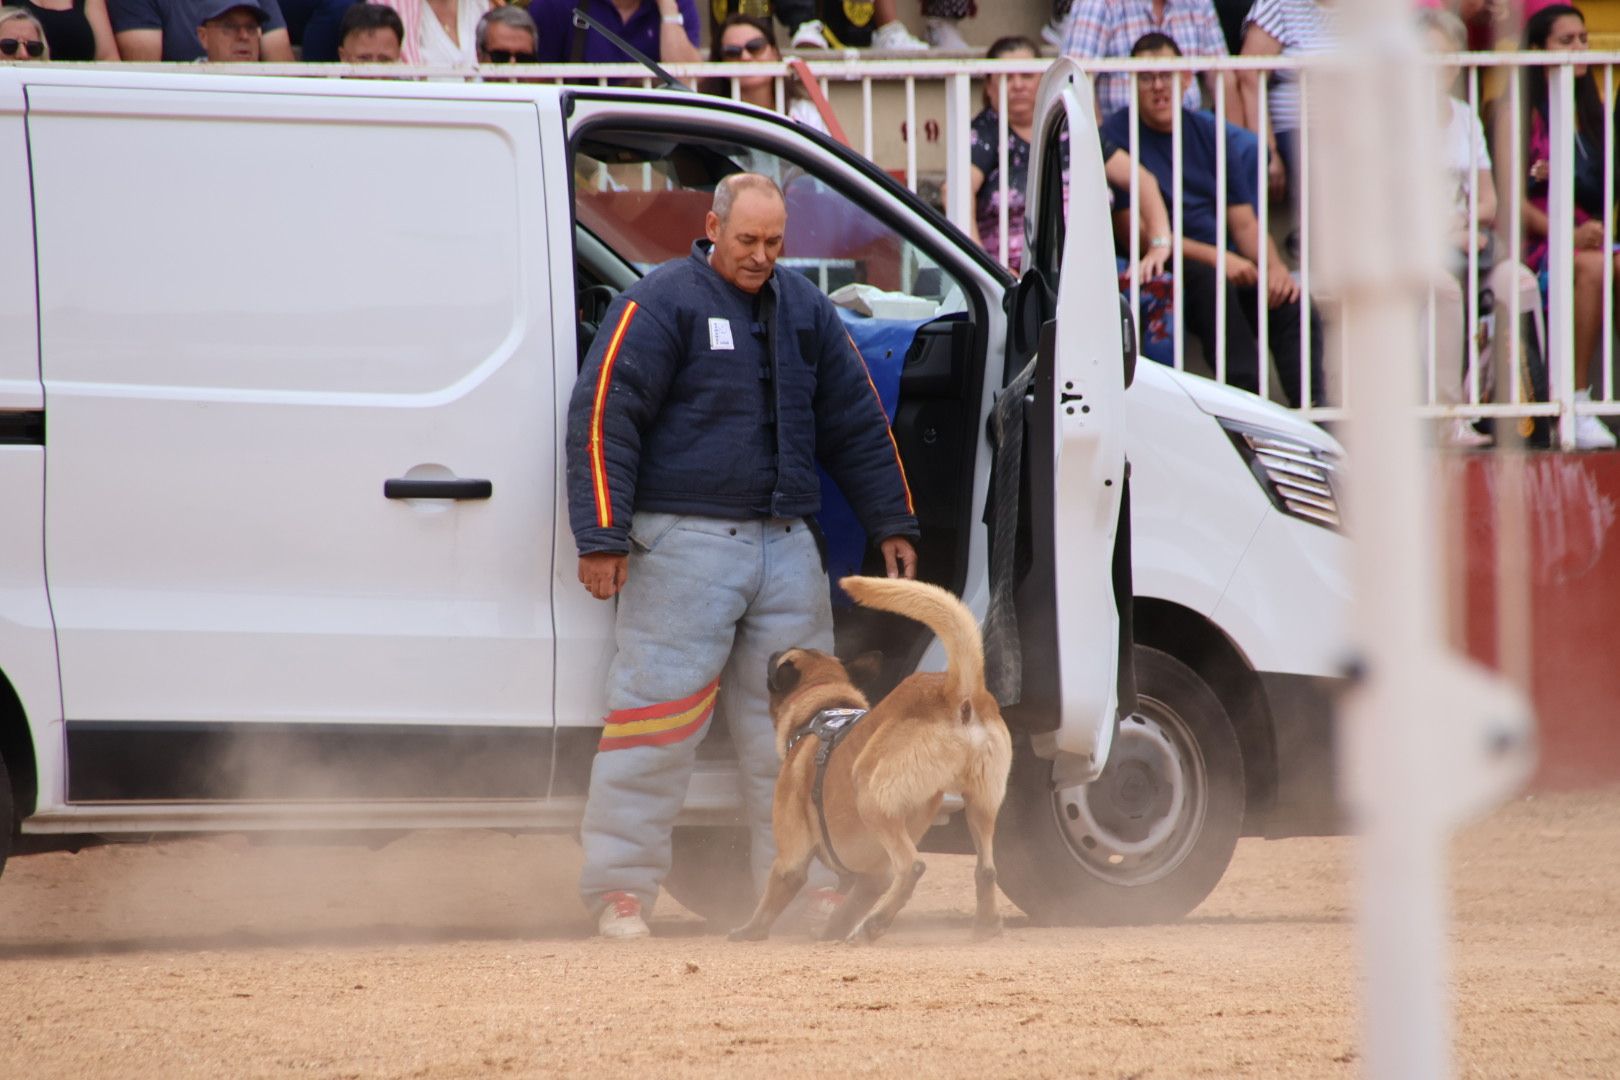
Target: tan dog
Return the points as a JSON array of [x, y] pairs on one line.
[[936, 733]]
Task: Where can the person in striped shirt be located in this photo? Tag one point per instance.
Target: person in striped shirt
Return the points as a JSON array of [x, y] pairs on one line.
[[1109, 28]]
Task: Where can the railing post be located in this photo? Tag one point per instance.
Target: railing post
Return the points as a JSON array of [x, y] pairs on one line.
[[1561, 248], [958, 150]]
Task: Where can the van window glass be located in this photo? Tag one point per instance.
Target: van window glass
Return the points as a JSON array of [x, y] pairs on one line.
[[1053, 201], [646, 194]]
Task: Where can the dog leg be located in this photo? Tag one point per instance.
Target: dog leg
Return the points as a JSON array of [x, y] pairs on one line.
[[907, 869], [981, 823], [858, 900], [784, 884]]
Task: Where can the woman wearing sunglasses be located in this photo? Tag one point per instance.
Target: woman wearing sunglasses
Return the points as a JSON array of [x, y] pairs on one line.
[[21, 37], [744, 39]]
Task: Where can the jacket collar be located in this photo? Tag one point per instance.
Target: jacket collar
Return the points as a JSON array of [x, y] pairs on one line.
[[700, 255]]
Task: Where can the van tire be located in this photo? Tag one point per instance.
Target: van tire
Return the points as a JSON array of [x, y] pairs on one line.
[[1148, 840], [709, 875]]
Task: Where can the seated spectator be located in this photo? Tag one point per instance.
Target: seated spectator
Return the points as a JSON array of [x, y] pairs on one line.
[[1562, 28], [230, 32], [21, 36], [1103, 28], [506, 35], [743, 38], [440, 32], [837, 24], [370, 34], [1282, 28], [315, 27], [984, 172], [1468, 171], [149, 30], [665, 31], [74, 29], [1158, 98]]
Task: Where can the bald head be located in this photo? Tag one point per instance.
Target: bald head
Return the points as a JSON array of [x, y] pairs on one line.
[[746, 226]]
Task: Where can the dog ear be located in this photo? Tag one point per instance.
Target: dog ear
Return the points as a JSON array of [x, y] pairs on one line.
[[784, 676], [865, 670]]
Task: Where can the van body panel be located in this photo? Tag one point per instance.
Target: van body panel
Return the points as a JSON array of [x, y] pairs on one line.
[[27, 640], [256, 352]]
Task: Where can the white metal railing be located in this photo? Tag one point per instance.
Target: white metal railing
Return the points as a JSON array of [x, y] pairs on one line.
[[1448, 393]]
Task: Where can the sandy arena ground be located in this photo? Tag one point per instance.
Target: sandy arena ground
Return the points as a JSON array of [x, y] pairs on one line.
[[467, 956]]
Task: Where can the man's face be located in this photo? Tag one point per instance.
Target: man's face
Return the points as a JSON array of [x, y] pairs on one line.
[[507, 45], [377, 45], [231, 38], [748, 243], [1158, 93]]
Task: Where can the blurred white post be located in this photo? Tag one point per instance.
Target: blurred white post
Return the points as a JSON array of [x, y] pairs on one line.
[[1425, 739], [958, 151]]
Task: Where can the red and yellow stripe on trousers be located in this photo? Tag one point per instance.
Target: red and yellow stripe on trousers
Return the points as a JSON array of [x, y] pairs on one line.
[[658, 725], [604, 383]]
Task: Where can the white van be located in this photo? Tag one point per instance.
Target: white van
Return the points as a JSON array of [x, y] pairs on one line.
[[282, 390]]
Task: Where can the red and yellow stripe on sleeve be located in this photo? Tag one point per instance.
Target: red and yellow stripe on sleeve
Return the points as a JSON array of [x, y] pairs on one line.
[[658, 725], [877, 397], [604, 382]]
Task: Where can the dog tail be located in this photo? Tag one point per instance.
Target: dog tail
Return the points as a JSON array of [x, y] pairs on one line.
[[938, 610]]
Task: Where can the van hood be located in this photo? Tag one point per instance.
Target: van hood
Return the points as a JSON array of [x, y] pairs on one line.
[[1228, 403]]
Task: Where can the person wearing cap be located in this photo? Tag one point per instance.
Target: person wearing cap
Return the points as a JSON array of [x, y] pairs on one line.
[[231, 31], [149, 30]]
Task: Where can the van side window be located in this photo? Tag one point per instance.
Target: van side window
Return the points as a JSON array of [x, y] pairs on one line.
[[645, 195]]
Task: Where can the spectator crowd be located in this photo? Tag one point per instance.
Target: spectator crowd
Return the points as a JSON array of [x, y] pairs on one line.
[[1254, 278]]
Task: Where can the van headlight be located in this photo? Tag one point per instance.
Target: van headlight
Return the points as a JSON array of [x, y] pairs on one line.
[[1300, 479]]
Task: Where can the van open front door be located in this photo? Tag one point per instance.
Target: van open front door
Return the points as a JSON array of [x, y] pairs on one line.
[[1067, 315]]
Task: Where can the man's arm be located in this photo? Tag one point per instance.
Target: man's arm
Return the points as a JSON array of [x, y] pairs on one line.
[[619, 392], [140, 45], [275, 47], [677, 44], [1280, 286]]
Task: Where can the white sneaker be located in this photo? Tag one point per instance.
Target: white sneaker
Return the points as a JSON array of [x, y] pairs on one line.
[[894, 37], [1459, 433], [943, 34], [1593, 434], [809, 35], [621, 920], [1052, 33]]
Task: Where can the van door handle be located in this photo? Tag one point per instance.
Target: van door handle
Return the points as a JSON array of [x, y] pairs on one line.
[[400, 488]]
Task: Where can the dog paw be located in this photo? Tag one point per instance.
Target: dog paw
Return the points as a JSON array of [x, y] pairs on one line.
[[864, 934], [985, 931], [746, 933]]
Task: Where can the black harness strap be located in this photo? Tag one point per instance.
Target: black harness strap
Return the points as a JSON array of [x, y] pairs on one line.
[[829, 726]]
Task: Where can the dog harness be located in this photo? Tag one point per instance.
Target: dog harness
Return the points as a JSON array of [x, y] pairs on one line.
[[829, 726]]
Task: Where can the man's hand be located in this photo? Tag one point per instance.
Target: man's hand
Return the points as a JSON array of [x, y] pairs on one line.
[[1589, 235], [604, 573], [1281, 288], [899, 557], [1240, 271], [1154, 262]]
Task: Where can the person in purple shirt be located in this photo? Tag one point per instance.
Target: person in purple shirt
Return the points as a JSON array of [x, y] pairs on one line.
[[665, 30]]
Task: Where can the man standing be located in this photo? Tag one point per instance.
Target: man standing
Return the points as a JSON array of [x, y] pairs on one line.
[[370, 34], [506, 35], [713, 390], [1277, 299], [168, 29]]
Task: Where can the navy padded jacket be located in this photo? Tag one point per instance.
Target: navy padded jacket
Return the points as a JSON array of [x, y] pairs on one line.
[[684, 407]]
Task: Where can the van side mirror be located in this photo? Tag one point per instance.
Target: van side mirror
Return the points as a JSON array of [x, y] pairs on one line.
[[1127, 338]]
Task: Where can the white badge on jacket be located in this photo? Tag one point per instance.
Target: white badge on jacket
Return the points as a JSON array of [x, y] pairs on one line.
[[720, 334]]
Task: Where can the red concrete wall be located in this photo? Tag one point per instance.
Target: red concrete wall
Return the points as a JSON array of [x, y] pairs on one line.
[[1571, 504]]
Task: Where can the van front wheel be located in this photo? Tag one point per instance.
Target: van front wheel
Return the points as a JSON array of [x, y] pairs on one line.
[[1148, 839]]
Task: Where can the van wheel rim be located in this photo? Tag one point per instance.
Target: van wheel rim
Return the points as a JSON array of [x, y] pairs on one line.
[[1139, 820]]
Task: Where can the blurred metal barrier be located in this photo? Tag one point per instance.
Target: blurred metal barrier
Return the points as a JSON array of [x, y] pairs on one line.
[[1519, 388]]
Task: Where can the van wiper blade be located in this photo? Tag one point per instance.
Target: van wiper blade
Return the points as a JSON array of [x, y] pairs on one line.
[[582, 21]]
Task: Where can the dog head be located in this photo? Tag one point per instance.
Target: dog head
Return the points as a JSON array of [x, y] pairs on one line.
[[803, 681]]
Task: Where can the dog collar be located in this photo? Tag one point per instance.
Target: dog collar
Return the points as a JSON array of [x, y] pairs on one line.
[[827, 725]]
